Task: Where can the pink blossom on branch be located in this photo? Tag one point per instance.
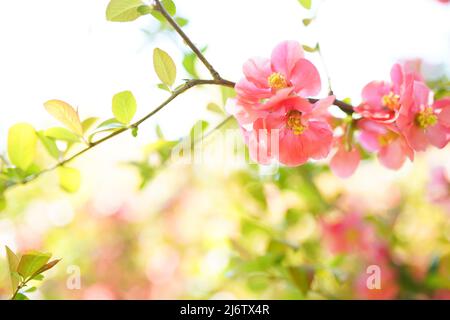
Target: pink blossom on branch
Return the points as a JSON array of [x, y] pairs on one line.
[[424, 123], [297, 127], [386, 140], [267, 82], [383, 100]]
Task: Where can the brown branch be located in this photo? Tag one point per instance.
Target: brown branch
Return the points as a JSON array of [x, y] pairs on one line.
[[160, 8], [188, 85]]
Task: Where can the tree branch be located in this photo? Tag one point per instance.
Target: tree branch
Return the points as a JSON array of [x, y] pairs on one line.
[[160, 8], [185, 87], [217, 80]]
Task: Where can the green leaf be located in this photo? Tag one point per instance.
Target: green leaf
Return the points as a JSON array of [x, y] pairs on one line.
[[49, 144], [32, 289], [88, 123], [32, 262], [213, 107], [124, 107], [135, 131], [66, 114], [159, 132], [305, 3], [198, 129], [38, 277], [126, 10], [164, 67], [306, 22], [310, 49], [21, 296], [62, 134], [163, 86], [170, 7], [69, 179], [13, 262], [189, 60], [22, 145], [302, 277], [181, 21], [227, 93]]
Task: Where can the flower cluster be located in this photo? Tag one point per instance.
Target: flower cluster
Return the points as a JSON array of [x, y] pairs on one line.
[[394, 120]]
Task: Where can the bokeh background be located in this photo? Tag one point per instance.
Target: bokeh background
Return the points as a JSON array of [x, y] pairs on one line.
[[218, 231]]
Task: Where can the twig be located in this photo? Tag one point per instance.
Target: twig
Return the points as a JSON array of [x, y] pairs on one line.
[[160, 8]]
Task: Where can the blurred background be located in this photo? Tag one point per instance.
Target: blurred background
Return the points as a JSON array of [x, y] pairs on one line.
[[139, 230]]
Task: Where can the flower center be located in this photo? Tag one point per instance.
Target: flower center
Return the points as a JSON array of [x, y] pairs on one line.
[[391, 101], [277, 81], [426, 118], [294, 122], [387, 138]]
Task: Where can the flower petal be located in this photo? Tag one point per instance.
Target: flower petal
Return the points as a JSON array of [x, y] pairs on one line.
[[318, 139], [305, 78], [344, 163], [438, 135], [285, 56], [392, 155], [292, 150], [373, 93], [257, 70]]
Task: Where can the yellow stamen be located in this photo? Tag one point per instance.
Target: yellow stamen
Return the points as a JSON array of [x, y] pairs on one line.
[[391, 101], [277, 81], [294, 122], [387, 138], [426, 118]]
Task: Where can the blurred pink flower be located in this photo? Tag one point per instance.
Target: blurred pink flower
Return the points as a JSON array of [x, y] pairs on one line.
[[388, 285], [293, 134], [387, 141], [350, 234], [345, 162], [423, 123], [439, 188], [382, 100]]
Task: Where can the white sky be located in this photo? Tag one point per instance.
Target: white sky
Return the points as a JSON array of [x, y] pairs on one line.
[[66, 49]]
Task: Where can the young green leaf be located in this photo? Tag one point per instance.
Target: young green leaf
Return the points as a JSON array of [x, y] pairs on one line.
[[305, 3], [62, 134], [13, 262], [126, 10], [170, 7], [20, 296], [164, 87], [32, 262], [69, 179], [48, 266], [87, 123], [124, 106], [49, 144], [65, 114], [164, 67], [22, 145], [213, 107], [306, 22]]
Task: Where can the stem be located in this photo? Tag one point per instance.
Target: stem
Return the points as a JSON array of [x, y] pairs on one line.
[[217, 80], [188, 85], [160, 8]]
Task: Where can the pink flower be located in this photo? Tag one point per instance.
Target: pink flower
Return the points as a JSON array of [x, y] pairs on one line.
[[387, 141], [382, 100], [345, 162], [268, 82], [439, 188], [388, 288], [350, 234], [293, 134], [423, 123]]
